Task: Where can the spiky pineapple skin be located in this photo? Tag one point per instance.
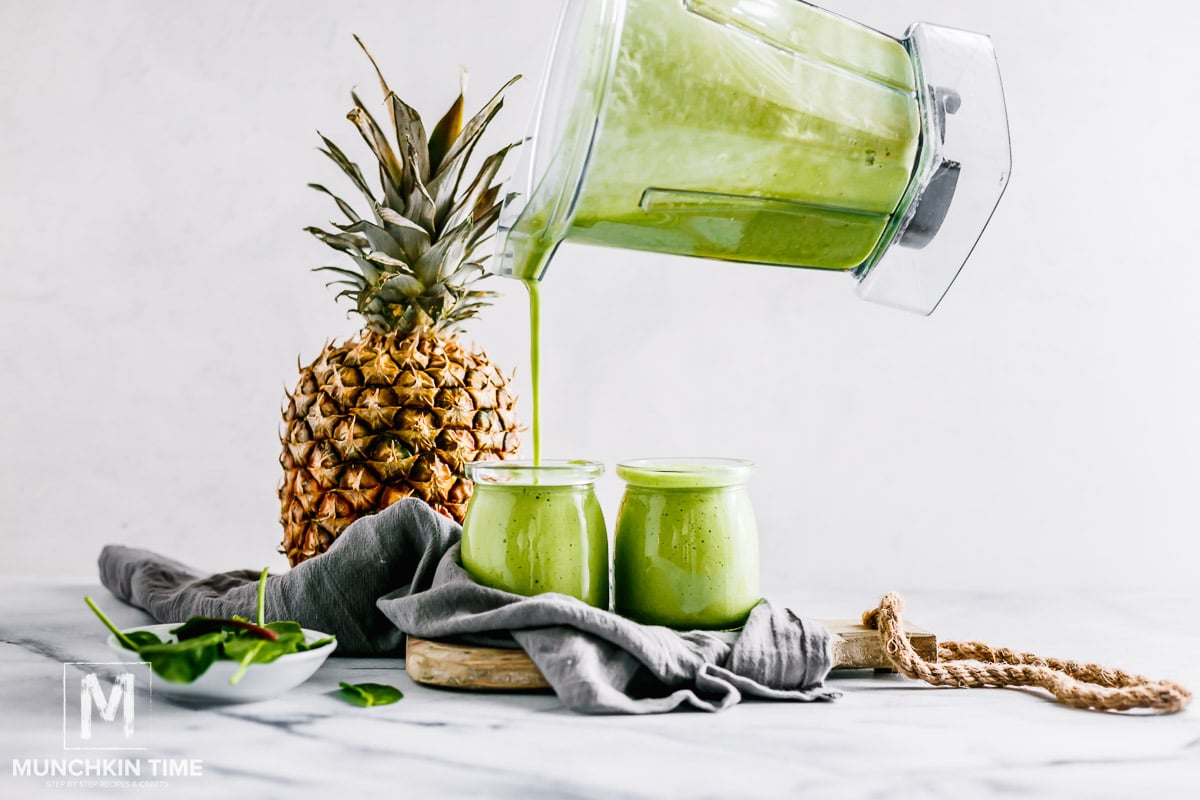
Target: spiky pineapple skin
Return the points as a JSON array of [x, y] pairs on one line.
[[381, 417], [400, 410]]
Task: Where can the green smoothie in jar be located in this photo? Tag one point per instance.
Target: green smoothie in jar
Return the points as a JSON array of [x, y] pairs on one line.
[[533, 529], [686, 544]]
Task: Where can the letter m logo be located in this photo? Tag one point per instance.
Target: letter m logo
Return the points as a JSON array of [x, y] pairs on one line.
[[92, 696], [100, 691]]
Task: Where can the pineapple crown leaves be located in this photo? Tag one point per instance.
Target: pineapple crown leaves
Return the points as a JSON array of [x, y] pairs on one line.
[[416, 254]]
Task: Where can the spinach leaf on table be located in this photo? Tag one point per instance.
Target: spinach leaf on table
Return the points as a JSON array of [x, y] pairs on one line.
[[370, 694]]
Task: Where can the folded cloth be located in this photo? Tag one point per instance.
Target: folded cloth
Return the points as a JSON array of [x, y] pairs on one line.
[[399, 572]]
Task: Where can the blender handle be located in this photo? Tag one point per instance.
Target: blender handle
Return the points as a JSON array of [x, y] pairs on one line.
[[938, 195]]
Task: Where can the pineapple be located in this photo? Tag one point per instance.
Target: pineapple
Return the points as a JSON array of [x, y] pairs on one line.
[[400, 408]]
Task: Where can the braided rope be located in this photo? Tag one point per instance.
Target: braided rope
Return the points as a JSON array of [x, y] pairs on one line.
[[976, 665]]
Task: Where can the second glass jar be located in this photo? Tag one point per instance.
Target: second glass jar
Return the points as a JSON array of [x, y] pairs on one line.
[[686, 543], [530, 530]]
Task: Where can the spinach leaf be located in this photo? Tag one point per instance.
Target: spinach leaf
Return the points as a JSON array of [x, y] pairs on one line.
[[130, 641], [245, 656], [285, 629], [289, 633], [260, 607], [247, 650], [197, 626], [256, 651], [313, 645], [143, 638], [236, 647], [263, 650], [370, 694], [183, 662]]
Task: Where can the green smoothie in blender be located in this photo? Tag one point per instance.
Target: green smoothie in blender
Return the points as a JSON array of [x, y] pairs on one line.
[[773, 133]]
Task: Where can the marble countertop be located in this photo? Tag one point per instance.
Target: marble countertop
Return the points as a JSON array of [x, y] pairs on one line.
[[887, 737]]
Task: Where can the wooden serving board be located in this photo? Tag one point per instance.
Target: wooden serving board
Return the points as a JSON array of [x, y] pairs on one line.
[[458, 666]]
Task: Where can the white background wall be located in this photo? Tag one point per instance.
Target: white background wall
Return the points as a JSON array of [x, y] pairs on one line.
[[1040, 430]]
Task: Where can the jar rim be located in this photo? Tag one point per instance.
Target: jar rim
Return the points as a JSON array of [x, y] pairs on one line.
[[685, 472], [547, 472]]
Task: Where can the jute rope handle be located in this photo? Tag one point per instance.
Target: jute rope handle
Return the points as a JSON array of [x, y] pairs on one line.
[[976, 665]]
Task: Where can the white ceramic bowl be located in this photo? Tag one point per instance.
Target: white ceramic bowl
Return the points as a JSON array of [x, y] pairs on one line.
[[261, 681]]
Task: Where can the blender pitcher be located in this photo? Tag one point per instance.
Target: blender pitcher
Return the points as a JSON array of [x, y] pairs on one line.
[[763, 132]]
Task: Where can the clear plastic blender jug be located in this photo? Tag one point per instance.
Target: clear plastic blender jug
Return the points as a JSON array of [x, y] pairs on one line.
[[763, 132]]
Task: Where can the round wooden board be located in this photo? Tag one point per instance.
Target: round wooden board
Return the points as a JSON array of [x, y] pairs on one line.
[[458, 666]]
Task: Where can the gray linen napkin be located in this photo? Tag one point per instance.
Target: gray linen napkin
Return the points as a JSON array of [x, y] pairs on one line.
[[399, 572]]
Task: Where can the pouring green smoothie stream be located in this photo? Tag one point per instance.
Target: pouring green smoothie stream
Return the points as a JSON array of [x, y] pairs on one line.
[[535, 367]]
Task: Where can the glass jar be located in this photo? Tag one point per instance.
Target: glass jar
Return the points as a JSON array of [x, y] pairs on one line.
[[686, 543], [529, 530]]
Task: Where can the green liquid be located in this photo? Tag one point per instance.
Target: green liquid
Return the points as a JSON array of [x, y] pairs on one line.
[[788, 138], [686, 551], [534, 365], [533, 539]]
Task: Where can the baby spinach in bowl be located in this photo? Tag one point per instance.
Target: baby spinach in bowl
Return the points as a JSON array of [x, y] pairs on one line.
[[209, 658]]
